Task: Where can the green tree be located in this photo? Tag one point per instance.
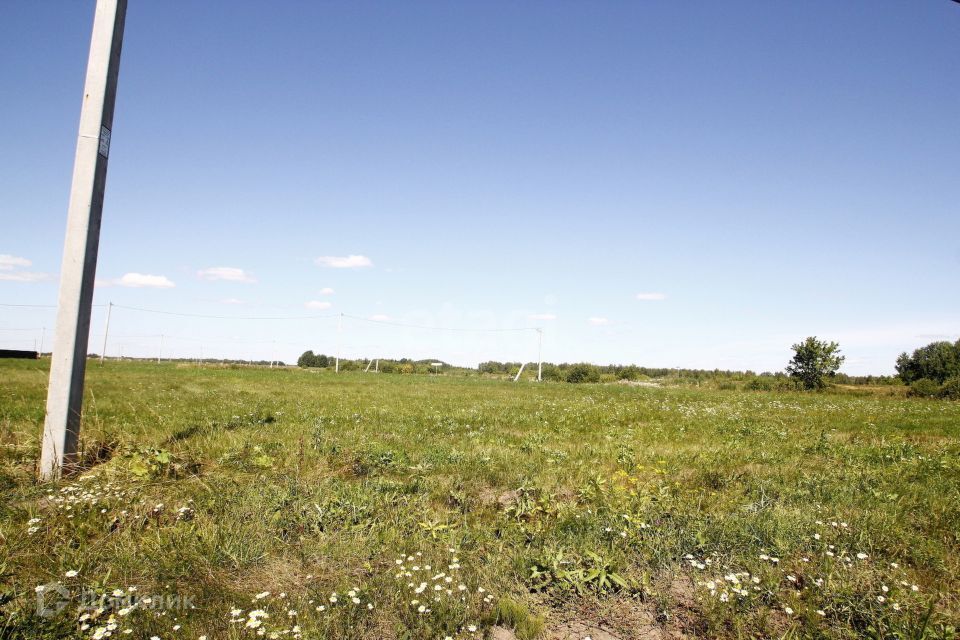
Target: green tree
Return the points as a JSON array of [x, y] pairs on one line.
[[813, 360], [937, 361], [306, 359]]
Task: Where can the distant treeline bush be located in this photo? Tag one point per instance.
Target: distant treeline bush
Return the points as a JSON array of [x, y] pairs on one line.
[[384, 365], [932, 371]]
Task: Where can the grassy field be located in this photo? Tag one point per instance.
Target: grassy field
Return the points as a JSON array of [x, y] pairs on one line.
[[244, 503]]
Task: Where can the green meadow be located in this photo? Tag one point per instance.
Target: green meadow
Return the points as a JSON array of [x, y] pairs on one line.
[[290, 503]]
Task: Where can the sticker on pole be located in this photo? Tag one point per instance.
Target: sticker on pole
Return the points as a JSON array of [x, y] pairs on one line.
[[104, 142]]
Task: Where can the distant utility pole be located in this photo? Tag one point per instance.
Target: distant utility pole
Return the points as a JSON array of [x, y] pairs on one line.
[[61, 429], [160, 352], [539, 355], [339, 339], [106, 332]]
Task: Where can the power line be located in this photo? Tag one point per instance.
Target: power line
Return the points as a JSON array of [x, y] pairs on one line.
[[213, 317], [421, 326]]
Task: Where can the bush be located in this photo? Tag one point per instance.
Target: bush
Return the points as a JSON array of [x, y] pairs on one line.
[[630, 373], [759, 384], [951, 389], [924, 388], [583, 373]]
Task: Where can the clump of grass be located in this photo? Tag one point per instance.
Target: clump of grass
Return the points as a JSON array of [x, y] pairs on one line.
[[515, 615]]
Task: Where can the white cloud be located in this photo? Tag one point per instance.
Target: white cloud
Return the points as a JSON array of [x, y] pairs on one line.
[[231, 274], [8, 262], [651, 296], [380, 317], [138, 280], [23, 276], [598, 322], [326, 291], [541, 316], [231, 301], [317, 304], [9, 270], [344, 262]]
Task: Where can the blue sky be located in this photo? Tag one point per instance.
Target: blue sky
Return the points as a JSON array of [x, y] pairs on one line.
[[769, 170]]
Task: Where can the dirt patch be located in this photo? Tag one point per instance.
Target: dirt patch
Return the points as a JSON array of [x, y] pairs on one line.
[[575, 630], [615, 618], [502, 633], [683, 617], [494, 498]]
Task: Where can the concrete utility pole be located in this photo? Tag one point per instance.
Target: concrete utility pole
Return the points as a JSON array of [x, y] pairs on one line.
[[106, 332], [539, 355], [339, 339], [61, 429]]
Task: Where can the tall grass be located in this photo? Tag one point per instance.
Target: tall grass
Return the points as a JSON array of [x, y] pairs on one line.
[[246, 501]]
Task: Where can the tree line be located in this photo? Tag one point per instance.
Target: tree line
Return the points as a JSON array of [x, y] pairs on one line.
[[932, 371]]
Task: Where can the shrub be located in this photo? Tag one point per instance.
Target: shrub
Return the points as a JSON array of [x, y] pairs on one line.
[[924, 388], [759, 384], [583, 373], [951, 389], [629, 373]]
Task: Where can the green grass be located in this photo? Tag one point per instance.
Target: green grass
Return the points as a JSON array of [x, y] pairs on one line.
[[650, 512]]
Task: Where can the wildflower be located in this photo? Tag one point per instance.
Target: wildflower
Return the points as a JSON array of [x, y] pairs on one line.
[[788, 611], [821, 613], [862, 556], [72, 573]]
